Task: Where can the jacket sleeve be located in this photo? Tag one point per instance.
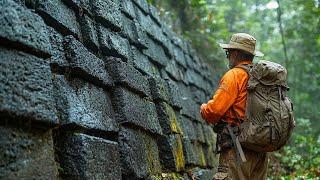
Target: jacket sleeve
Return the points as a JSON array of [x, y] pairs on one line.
[[222, 100]]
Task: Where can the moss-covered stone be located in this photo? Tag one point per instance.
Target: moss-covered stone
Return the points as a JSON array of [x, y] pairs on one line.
[[171, 152], [153, 159], [167, 119]]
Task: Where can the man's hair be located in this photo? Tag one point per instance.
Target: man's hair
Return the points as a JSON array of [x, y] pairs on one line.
[[245, 56]]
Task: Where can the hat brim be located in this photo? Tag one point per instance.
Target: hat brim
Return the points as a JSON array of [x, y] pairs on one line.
[[229, 46]]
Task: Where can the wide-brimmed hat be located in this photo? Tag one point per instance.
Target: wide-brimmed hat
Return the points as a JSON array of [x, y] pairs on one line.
[[243, 42]]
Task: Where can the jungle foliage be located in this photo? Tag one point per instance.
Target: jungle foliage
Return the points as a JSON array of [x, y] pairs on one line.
[[288, 32]]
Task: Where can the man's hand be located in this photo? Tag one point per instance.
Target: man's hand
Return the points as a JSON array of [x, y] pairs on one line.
[[202, 110]]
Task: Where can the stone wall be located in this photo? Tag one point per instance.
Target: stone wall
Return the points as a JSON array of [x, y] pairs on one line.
[[99, 89]]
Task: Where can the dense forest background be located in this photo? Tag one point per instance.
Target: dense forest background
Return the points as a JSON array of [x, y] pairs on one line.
[[288, 32]]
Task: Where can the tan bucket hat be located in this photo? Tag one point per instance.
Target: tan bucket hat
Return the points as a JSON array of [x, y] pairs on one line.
[[243, 42]]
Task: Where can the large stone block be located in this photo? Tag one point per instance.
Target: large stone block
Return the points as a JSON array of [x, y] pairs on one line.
[[108, 13], [190, 62], [209, 134], [153, 158], [199, 155], [156, 53], [171, 152], [140, 35], [199, 132], [159, 89], [133, 154], [187, 127], [139, 154], [167, 31], [167, 46], [128, 29], [167, 119], [89, 32], [143, 5], [155, 14], [58, 15], [189, 153], [210, 155], [127, 76], [84, 64], [23, 29], [150, 25], [142, 63], [132, 109], [26, 154], [26, 87], [176, 40], [81, 6], [175, 71], [175, 95], [112, 44], [191, 109], [195, 79], [85, 105], [87, 157], [58, 60], [127, 8], [198, 95], [179, 56]]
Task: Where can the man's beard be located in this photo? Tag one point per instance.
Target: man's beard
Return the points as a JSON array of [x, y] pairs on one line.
[[231, 65]]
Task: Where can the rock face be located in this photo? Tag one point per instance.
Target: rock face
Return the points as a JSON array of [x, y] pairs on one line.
[[99, 90]]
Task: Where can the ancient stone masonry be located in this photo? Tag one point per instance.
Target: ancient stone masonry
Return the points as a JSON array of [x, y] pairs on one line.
[[99, 89]]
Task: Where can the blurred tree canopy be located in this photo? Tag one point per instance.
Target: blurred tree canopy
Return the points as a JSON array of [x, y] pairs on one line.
[[288, 32], [208, 22]]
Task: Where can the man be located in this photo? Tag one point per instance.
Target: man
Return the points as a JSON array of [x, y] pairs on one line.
[[227, 107]]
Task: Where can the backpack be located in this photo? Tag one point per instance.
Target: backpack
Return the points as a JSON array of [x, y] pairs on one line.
[[269, 119]]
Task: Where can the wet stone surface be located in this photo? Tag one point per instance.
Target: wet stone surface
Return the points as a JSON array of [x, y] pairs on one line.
[[112, 44], [199, 132], [58, 59], [142, 4], [26, 87], [86, 157], [189, 153], [139, 154], [23, 28], [81, 6], [26, 153], [156, 53], [84, 64], [175, 71], [167, 118], [171, 152], [187, 128], [127, 76], [89, 32], [175, 95], [84, 104], [145, 116], [142, 63], [159, 89], [127, 8], [108, 13], [60, 16]]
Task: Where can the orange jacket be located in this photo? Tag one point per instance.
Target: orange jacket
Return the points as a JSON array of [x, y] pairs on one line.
[[231, 94]]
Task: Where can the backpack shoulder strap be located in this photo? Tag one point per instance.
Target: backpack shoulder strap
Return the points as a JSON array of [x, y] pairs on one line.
[[245, 67]]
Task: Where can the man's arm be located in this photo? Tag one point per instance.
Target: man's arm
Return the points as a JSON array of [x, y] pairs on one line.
[[222, 100]]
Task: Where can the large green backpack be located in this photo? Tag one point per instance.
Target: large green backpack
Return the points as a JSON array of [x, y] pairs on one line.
[[269, 112]]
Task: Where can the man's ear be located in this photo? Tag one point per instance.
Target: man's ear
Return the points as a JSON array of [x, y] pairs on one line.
[[236, 54]]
